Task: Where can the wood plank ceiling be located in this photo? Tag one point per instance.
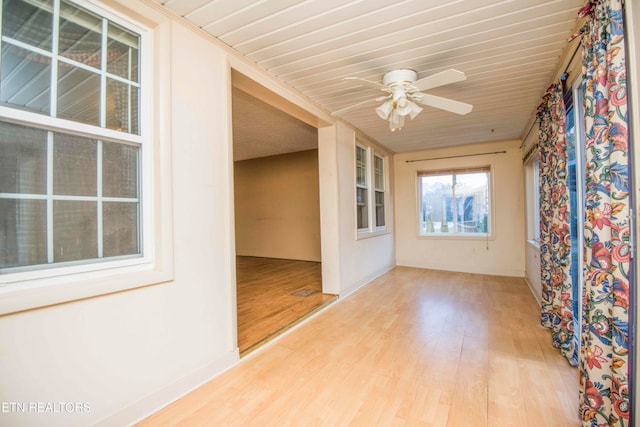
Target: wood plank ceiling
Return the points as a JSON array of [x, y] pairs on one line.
[[509, 50]]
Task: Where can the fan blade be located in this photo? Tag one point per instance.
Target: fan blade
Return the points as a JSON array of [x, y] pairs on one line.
[[369, 83], [443, 103], [360, 104], [440, 79]]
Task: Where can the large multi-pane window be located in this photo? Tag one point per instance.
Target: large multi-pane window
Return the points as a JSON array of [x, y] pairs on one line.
[[455, 202], [70, 137]]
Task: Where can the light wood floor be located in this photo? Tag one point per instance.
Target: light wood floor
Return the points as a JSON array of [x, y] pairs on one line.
[[413, 348], [274, 294]]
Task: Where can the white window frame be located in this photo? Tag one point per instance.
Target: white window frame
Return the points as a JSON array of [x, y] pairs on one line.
[[370, 155], [377, 190], [578, 114], [22, 290], [457, 235], [363, 186], [532, 180]]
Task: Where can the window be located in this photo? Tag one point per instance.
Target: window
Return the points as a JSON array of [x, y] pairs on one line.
[[455, 202], [368, 178], [574, 132], [71, 146], [362, 188], [378, 173]]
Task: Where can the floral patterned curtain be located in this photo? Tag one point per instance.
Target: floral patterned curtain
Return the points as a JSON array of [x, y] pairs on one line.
[[555, 228], [604, 356]]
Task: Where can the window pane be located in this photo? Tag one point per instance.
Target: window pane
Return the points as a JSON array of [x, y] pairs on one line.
[[122, 53], [379, 172], [361, 166], [80, 35], [74, 230], [455, 203], [23, 159], [362, 212], [472, 199], [436, 190], [120, 228], [23, 232], [78, 94], [28, 21], [134, 127], [536, 198], [122, 106], [74, 165], [380, 221], [119, 170], [25, 79], [64, 197]]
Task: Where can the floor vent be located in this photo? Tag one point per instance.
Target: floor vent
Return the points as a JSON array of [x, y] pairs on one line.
[[305, 292]]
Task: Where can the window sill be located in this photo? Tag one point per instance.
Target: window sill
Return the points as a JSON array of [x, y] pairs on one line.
[[451, 236], [534, 243], [49, 291], [368, 234]]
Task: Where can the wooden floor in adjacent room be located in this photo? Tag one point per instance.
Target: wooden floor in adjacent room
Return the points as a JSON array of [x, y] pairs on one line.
[[274, 294], [413, 348]]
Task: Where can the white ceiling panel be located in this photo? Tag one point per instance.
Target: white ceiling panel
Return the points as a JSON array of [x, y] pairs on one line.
[[509, 50]]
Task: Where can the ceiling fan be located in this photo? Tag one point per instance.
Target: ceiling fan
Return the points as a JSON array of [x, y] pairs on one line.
[[403, 94]]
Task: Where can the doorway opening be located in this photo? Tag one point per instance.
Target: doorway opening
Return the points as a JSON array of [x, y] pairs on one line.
[[277, 215]]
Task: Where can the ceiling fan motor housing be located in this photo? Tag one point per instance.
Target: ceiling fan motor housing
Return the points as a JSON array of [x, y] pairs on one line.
[[403, 76]]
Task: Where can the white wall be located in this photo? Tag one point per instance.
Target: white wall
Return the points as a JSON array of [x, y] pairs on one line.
[[353, 261], [503, 254], [129, 353], [277, 206], [362, 259]]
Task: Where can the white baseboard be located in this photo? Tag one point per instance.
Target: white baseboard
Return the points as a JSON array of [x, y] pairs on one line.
[[367, 280], [466, 269], [158, 400]]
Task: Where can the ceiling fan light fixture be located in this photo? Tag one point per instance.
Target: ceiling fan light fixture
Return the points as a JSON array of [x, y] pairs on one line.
[[395, 77], [415, 110], [403, 96], [396, 121], [403, 106], [384, 110]]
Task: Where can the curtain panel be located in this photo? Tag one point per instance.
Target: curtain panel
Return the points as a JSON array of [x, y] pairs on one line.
[[555, 227], [604, 356]]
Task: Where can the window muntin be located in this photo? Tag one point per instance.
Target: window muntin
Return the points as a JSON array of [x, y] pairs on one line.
[[87, 72], [66, 197], [455, 202], [362, 188]]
